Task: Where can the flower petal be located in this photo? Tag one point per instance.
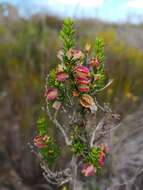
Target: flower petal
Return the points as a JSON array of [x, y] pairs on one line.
[[87, 101], [51, 93]]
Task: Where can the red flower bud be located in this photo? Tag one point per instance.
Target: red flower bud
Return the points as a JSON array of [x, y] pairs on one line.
[[81, 69], [51, 93], [105, 148], [83, 88], [62, 76], [88, 170], [101, 160], [94, 62], [39, 142], [83, 80]]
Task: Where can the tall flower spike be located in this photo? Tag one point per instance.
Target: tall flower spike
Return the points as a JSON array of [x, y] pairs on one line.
[[68, 35]]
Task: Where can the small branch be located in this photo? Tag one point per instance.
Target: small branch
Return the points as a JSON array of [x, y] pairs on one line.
[[74, 172], [68, 142], [100, 124], [48, 112], [56, 178], [105, 108], [58, 125], [73, 117], [106, 130], [108, 84], [98, 105], [70, 100], [38, 155], [127, 182]]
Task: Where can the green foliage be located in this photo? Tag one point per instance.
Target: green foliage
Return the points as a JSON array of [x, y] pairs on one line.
[[68, 35], [78, 147], [100, 54], [27, 51], [98, 50], [50, 152], [52, 79], [100, 83], [42, 126], [93, 156], [81, 79]]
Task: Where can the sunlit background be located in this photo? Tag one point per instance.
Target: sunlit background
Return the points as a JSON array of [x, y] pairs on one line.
[[29, 41], [107, 10]]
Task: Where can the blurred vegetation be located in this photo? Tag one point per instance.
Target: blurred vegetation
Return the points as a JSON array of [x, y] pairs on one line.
[[28, 48]]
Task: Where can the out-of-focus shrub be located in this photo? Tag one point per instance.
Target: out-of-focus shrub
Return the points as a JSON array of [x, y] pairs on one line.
[[27, 51], [124, 64]]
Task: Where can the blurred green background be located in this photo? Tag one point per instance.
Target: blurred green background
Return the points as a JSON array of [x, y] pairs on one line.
[[28, 49]]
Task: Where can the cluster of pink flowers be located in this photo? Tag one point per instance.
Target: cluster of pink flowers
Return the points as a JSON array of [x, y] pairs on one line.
[[52, 93], [89, 169], [80, 72], [102, 156], [70, 89], [82, 77]]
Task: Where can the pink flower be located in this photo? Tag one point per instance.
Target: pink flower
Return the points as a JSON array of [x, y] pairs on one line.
[[74, 54], [88, 170], [82, 77], [81, 69], [94, 62], [39, 142], [83, 80], [51, 93], [81, 72], [62, 76], [83, 88], [78, 54], [105, 148], [101, 160]]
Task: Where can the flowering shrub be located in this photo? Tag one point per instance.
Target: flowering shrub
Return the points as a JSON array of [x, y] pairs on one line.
[[71, 88]]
